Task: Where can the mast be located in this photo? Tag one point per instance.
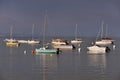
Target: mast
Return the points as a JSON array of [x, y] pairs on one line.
[[102, 29], [76, 32], [33, 30], [11, 31], [44, 30], [106, 31]]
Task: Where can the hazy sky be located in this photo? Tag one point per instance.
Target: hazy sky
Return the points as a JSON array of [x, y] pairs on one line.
[[62, 16]]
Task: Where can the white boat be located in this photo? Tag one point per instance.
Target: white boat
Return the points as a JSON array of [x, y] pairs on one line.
[[107, 39], [104, 41], [43, 49], [100, 46], [33, 42], [76, 40], [98, 49], [22, 41], [10, 40], [59, 41], [63, 46]]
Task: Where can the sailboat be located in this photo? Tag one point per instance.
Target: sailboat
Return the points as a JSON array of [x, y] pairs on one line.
[[104, 41], [97, 48], [33, 41], [44, 49], [76, 40], [11, 41], [58, 41]]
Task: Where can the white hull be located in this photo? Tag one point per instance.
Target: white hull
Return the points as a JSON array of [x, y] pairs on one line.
[[63, 46], [96, 49], [76, 41], [96, 52], [10, 40], [33, 42], [103, 43], [22, 41], [58, 43]]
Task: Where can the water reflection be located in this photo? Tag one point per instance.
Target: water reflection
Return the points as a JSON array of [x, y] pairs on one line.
[[96, 52], [10, 70], [97, 60], [47, 65]]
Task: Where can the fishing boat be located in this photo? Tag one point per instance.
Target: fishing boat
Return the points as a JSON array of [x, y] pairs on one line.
[[76, 40], [104, 41], [44, 49]]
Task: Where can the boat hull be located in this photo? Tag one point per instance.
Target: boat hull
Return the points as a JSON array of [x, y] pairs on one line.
[[33, 42], [45, 51], [22, 41], [103, 43], [96, 49], [76, 41], [10, 40], [63, 46], [59, 42], [12, 44]]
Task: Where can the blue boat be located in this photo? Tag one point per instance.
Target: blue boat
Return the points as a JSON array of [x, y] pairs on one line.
[[44, 50]]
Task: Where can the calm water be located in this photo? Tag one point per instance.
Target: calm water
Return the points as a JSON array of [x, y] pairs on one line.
[[69, 65]]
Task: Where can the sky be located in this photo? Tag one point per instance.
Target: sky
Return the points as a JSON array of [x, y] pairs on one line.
[[62, 17]]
